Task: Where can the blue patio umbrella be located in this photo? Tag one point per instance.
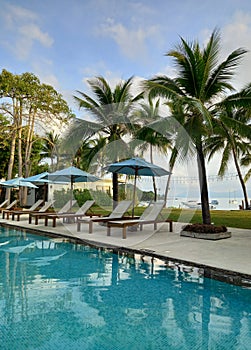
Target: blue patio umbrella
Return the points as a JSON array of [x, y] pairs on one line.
[[39, 178], [18, 182], [72, 175], [137, 167]]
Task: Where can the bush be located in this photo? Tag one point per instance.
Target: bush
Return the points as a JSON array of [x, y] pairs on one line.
[[204, 228], [81, 196], [101, 198]]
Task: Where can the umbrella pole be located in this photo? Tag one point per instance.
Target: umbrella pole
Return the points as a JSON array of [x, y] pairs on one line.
[[71, 193], [134, 192]]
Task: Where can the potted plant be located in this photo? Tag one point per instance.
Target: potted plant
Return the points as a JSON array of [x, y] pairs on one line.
[[205, 231]]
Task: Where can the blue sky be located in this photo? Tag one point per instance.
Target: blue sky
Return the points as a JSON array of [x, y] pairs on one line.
[[65, 42]]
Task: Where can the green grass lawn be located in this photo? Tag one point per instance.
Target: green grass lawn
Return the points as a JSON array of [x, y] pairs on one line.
[[229, 218]]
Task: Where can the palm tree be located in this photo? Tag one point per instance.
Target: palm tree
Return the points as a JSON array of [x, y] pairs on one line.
[[246, 161], [51, 148], [91, 156], [232, 136], [200, 81], [146, 136], [110, 109]]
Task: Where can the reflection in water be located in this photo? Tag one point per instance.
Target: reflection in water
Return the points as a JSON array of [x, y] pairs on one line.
[[57, 295]]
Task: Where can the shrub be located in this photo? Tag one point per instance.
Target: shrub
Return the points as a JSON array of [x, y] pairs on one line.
[[204, 228], [82, 195]]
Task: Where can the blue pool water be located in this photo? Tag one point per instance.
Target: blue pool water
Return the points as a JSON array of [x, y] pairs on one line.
[[58, 295]]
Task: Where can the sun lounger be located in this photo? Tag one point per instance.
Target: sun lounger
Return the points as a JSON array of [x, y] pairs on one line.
[[4, 203], [150, 216], [36, 215], [10, 206], [116, 214], [44, 215], [69, 217], [18, 213]]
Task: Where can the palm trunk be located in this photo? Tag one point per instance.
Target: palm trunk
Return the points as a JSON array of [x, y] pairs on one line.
[[168, 184], [241, 180], [115, 189], [206, 217], [154, 182]]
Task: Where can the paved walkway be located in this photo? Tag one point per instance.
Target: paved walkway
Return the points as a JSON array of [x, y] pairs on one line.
[[232, 254]]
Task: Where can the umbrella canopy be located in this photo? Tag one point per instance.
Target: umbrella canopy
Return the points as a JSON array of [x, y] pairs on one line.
[[137, 167], [72, 175], [18, 182], [39, 178]]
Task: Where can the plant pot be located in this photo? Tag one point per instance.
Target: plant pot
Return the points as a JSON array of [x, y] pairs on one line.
[[208, 236]]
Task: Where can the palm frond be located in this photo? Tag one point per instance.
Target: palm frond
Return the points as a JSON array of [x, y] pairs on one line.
[[224, 161], [247, 176], [162, 86], [101, 89], [219, 80]]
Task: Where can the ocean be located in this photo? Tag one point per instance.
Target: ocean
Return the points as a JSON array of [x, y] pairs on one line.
[[225, 203]]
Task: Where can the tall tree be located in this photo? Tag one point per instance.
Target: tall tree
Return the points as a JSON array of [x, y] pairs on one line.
[[200, 81], [50, 149], [110, 109], [232, 136], [25, 101], [92, 155], [149, 138]]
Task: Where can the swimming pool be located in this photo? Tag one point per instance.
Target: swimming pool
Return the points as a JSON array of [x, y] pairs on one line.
[[59, 295]]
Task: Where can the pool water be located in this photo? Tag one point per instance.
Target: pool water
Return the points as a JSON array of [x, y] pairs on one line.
[[58, 295]]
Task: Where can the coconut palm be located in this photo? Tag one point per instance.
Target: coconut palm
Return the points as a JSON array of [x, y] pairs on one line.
[[147, 137], [110, 109], [50, 148], [246, 161], [91, 156], [200, 81], [232, 136]]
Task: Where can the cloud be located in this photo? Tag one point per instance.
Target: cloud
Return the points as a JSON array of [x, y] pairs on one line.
[[131, 42], [33, 32], [13, 14], [236, 34], [25, 31], [100, 69]]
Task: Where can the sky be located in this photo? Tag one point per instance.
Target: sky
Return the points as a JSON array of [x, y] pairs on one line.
[[66, 42]]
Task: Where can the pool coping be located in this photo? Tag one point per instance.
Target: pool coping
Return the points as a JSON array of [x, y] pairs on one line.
[[216, 273]]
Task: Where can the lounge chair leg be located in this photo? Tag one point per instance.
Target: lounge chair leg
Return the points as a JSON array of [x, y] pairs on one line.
[[90, 227], [45, 221], [108, 230], [54, 222], [155, 226], [124, 232], [78, 226]]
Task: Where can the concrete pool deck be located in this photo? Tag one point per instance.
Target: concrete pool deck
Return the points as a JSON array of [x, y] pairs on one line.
[[227, 257]]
